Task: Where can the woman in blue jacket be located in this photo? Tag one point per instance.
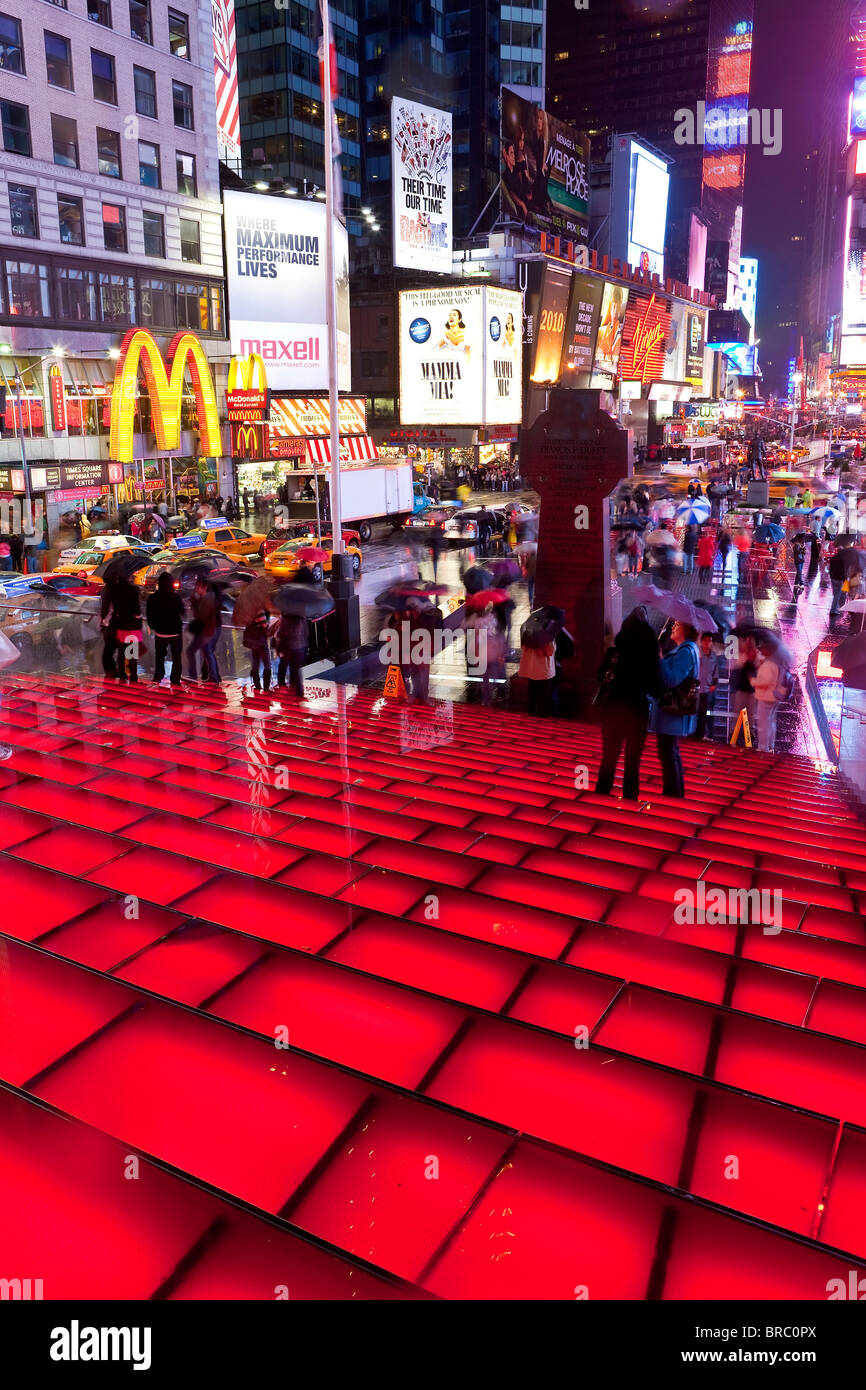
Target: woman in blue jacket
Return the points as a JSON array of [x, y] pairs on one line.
[[680, 664]]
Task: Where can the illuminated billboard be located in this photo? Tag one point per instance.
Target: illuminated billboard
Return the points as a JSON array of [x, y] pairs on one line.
[[550, 323], [644, 338], [422, 153], [858, 107], [614, 305], [545, 170], [461, 356], [275, 253], [638, 206], [581, 328]]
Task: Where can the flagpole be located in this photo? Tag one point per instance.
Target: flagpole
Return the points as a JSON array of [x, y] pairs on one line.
[[331, 299]]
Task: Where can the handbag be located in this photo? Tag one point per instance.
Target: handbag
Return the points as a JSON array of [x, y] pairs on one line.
[[682, 700]]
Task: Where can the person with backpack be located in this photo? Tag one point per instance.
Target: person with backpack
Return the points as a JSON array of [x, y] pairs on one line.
[[675, 714], [772, 685]]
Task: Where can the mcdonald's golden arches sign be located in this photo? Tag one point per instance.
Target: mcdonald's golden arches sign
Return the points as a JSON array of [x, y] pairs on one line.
[[164, 382]]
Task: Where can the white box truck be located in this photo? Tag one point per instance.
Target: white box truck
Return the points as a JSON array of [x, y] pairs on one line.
[[374, 492]]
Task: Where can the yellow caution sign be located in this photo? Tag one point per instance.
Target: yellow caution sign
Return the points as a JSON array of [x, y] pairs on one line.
[[395, 686], [742, 723]]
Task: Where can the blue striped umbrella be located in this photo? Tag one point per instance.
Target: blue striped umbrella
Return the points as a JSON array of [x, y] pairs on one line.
[[824, 514], [695, 512]]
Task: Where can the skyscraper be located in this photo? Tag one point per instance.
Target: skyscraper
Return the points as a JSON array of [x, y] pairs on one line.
[[609, 70], [282, 132]]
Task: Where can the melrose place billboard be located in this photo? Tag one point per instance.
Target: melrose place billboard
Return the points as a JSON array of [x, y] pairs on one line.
[[275, 253], [544, 170], [461, 356]]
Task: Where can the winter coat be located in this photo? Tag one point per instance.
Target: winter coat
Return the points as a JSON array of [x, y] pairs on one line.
[[292, 634], [683, 661], [706, 552], [766, 682], [165, 614]]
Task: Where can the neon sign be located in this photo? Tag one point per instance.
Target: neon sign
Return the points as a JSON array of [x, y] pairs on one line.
[[645, 340], [165, 392]]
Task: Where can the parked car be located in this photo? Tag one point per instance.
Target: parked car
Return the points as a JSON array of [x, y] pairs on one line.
[[183, 568]]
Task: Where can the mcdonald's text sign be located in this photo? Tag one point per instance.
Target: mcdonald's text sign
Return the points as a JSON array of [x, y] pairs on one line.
[[164, 382]]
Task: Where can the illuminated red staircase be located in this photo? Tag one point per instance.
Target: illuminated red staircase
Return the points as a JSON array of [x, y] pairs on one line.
[[189, 881]]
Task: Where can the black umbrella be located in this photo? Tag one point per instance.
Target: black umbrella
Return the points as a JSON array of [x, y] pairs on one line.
[[121, 566], [303, 600], [477, 578], [542, 626]]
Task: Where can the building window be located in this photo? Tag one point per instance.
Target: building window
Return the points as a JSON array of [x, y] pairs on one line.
[[27, 289], [192, 306], [22, 209], [182, 97], [108, 153], [178, 34], [104, 82], [144, 83], [76, 294], [186, 180], [148, 165], [190, 239], [139, 20], [58, 60], [154, 234], [64, 139], [71, 215], [116, 295], [99, 11], [157, 303], [11, 49], [16, 128], [114, 227]]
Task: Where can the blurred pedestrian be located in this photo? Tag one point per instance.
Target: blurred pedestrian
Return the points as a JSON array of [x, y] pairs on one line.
[[769, 693], [120, 615], [538, 665], [674, 714], [706, 556], [204, 628], [690, 549], [629, 677], [709, 677], [165, 619], [256, 640], [290, 640]]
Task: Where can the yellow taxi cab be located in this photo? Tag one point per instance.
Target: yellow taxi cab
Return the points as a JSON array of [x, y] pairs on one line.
[[89, 555], [91, 563], [231, 540], [283, 563]]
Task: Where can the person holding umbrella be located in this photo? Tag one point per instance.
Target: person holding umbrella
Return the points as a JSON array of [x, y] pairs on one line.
[[297, 602], [674, 715], [629, 677], [205, 631], [838, 569]]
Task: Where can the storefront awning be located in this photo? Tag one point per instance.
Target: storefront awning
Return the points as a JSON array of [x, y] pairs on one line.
[[354, 448]]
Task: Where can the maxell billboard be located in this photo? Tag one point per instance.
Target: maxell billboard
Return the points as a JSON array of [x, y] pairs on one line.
[[421, 186], [275, 252]]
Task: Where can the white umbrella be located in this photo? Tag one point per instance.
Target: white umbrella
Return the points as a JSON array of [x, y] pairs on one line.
[[694, 512]]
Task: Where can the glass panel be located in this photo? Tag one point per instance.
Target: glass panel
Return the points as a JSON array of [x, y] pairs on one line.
[[27, 289], [190, 239], [183, 107], [71, 215], [104, 85], [154, 234], [148, 165], [22, 210], [108, 152], [58, 60], [117, 298], [144, 83], [178, 34], [139, 20], [157, 302], [99, 11], [76, 295], [16, 128], [64, 137], [11, 50], [186, 181]]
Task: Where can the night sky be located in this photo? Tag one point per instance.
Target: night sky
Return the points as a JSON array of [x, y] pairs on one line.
[[791, 66]]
